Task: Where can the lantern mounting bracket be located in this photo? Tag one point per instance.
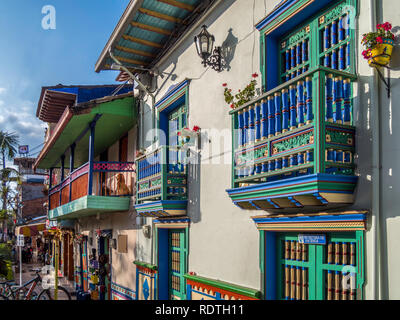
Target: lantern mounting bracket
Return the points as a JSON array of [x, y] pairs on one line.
[[377, 67], [215, 60]]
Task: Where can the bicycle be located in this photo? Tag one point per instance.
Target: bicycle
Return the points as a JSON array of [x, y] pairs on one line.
[[8, 291]]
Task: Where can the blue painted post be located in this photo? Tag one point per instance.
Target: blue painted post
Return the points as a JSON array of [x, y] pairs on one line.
[[285, 110], [278, 164], [258, 121], [342, 58], [339, 156], [278, 114], [293, 160], [285, 162], [327, 61], [264, 119], [271, 165], [330, 155], [341, 30], [305, 50], [287, 64], [293, 57], [252, 124], [71, 166], [50, 184], [293, 120], [334, 33], [346, 104], [246, 127], [334, 61], [300, 102], [348, 29], [241, 127], [309, 106], [271, 116], [91, 156], [337, 97], [265, 167], [62, 173], [310, 156], [300, 158], [329, 98], [299, 56], [348, 55]]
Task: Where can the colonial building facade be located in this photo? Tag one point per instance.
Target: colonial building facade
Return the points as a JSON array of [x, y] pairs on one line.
[[286, 196]]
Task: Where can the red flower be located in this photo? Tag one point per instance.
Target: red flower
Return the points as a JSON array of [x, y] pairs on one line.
[[255, 75], [387, 26], [379, 26], [379, 40], [224, 84], [232, 106], [179, 134], [196, 128]]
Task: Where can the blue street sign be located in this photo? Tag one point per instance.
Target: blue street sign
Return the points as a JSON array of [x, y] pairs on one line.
[[312, 238]]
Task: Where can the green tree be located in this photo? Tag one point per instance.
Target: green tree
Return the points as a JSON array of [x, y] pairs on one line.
[[8, 150]]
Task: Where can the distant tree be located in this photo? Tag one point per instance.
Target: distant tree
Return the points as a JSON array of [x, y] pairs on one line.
[[8, 150]]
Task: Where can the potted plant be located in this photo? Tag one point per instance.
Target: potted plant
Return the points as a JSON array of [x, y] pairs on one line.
[[242, 96], [378, 45]]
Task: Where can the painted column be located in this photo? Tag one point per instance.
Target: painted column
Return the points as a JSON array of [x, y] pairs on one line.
[[337, 97], [271, 117], [50, 184], [91, 156], [300, 103], [62, 174], [264, 119], [346, 96], [71, 167], [252, 124], [309, 107], [278, 116], [241, 127], [285, 110], [329, 98], [258, 121], [246, 127], [292, 94]]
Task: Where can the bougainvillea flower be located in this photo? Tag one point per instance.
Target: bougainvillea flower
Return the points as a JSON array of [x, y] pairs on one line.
[[255, 75], [232, 106], [387, 26], [196, 128], [224, 84], [379, 40]]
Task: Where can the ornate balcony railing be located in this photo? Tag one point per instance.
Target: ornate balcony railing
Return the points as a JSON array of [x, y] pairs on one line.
[[108, 179], [303, 127], [162, 182]]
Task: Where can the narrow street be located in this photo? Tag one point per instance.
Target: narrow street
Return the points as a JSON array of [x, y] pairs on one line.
[[27, 275]]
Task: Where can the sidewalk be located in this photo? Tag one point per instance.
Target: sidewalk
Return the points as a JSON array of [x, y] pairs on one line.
[[27, 275]]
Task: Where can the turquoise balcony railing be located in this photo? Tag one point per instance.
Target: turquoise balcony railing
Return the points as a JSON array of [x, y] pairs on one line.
[[161, 182], [300, 132]]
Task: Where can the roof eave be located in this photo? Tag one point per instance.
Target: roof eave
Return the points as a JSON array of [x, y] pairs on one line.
[[126, 18]]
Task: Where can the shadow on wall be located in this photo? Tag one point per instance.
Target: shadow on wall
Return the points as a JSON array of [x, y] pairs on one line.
[[228, 49], [194, 176]]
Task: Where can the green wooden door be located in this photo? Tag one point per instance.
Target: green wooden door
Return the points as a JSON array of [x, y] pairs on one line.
[[177, 264], [333, 271], [177, 120]]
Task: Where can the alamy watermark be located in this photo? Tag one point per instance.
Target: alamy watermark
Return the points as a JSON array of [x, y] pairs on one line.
[[49, 19]]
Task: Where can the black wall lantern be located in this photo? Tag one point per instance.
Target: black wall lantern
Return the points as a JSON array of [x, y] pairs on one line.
[[204, 44]]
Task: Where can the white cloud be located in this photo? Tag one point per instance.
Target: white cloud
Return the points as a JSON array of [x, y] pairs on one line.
[[2, 90], [1, 103]]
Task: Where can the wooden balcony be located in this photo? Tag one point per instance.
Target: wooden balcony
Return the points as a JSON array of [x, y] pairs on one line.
[[161, 183], [98, 188], [294, 146]]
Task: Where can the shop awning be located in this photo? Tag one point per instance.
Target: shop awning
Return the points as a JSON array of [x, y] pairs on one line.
[[32, 229]]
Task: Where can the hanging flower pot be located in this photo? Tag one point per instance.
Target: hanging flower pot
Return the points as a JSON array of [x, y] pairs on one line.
[[379, 45], [382, 53]]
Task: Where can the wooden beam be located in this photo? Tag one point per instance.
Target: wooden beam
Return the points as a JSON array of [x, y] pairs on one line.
[[178, 4], [151, 28], [141, 41], [160, 16], [135, 51], [132, 61]]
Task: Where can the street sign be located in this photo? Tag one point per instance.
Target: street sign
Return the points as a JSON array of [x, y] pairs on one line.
[[312, 238], [20, 240], [23, 149]]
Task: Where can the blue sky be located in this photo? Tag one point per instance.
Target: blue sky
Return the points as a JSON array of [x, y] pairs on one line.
[[31, 57]]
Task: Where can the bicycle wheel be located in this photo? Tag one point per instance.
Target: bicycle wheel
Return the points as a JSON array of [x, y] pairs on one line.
[[49, 294]]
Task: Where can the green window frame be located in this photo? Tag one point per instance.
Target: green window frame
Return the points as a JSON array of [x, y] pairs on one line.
[[318, 272]]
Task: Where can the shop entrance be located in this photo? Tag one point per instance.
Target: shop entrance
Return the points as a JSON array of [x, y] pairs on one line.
[[104, 269], [319, 266]]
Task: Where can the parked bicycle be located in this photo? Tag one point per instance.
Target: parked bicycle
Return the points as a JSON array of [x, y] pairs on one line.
[[10, 291]]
